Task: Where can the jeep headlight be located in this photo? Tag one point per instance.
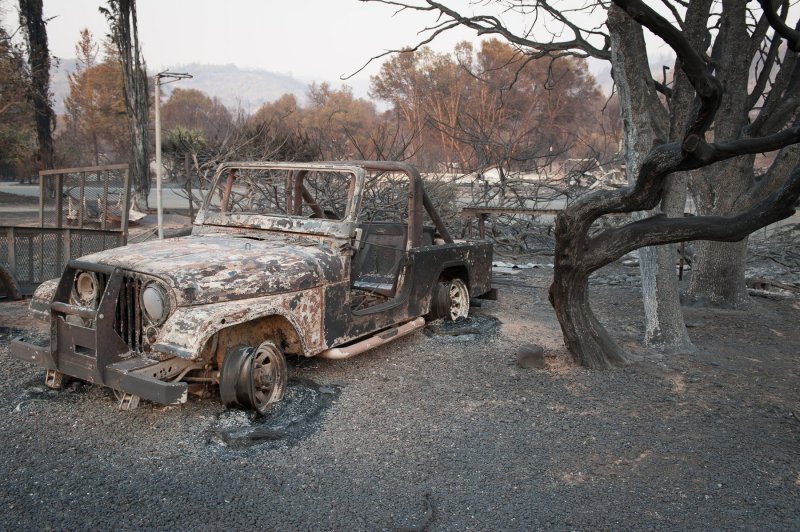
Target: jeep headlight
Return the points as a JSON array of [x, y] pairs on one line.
[[155, 303], [87, 287]]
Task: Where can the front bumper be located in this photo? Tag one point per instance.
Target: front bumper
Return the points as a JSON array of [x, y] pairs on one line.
[[98, 354], [131, 375]]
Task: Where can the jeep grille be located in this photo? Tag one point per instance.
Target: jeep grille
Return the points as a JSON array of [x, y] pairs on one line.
[[128, 320]]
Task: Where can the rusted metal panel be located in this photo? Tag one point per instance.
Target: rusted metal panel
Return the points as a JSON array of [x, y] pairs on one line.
[[34, 354], [189, 328], [336, 324], [333, 229], [217, 268]]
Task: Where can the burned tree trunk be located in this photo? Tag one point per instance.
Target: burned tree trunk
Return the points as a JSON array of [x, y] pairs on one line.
[[578, 254], [121, 16], [645, 124], [584, 336], [718, 275], [30, 14]]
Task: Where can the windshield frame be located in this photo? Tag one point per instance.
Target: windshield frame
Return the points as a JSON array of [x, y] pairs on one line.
[[343, 228]]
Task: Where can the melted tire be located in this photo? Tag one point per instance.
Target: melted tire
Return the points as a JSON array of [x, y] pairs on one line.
[[230, 372]]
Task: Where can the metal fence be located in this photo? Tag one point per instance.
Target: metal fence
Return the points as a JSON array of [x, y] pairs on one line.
[[81, 211], [34, 255], [96, 197]]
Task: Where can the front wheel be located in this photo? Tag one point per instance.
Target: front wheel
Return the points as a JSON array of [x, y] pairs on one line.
[[253, 377], [450, 300]]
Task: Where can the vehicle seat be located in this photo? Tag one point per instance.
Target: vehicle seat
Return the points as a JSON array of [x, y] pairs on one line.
[[376, 265]]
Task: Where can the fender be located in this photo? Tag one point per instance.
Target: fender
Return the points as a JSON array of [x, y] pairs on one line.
[[189, 328], [475, 257]]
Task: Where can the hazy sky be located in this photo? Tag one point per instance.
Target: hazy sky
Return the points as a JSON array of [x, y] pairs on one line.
[[310, 39]]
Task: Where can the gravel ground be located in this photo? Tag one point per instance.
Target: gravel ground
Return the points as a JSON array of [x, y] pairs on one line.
[[437, 431]]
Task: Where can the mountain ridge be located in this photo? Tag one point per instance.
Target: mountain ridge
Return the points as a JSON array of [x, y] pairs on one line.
[[236, 87]]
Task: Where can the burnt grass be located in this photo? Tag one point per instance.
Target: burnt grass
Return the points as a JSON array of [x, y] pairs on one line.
[[439, 430]]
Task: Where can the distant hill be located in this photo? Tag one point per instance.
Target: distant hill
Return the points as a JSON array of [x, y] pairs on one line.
[[234, 86], [237, 87]]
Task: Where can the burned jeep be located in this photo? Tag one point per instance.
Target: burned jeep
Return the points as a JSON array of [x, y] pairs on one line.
[[307, 259]]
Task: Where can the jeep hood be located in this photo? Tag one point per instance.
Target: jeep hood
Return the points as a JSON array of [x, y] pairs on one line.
[[215, 268]]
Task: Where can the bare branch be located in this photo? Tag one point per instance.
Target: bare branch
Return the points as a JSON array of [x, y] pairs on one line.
[[759, 32], [766, 72], [441, 29], [614, 243], [782, 100], [675, 13], [578, 46], [786, 159], [708, 88], [792, 36], [709, 153], [665, 159]]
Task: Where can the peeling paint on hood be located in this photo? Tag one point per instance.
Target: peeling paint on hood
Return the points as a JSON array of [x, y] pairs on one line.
[[224, 267]]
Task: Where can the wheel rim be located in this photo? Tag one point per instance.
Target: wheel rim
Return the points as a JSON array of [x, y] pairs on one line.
[[459, 299], [230, 374], [253, 377], [267, 376]]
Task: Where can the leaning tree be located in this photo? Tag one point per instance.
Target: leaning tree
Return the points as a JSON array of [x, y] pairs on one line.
[[663, 144], [32, 20], [578, 253], [121, 15]]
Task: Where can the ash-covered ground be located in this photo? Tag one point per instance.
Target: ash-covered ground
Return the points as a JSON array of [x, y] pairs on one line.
[[440, 430]]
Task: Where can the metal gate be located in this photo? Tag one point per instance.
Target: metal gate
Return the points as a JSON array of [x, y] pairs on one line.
[[81, 211]]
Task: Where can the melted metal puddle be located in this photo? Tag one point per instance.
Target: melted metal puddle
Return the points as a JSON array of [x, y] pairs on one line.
[[463, 329], [293, 418]]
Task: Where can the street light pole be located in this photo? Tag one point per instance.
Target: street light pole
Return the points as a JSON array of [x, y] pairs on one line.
[[159, 205], [172, 76]]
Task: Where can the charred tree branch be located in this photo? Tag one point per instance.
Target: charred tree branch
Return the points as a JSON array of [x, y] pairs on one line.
[[791, 35], [766, 72], [662, 161], [615, 243], [709, 89]]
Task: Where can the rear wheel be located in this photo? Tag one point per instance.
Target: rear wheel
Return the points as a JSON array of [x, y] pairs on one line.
[[253, 377], [450, 300]]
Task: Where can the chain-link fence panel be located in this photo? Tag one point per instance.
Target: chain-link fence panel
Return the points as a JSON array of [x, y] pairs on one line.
[[33, 255]]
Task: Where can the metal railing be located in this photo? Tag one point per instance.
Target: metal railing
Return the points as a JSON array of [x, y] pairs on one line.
[[81, 211]]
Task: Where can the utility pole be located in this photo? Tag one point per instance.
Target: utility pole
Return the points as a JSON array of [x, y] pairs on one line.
[[172, 77]]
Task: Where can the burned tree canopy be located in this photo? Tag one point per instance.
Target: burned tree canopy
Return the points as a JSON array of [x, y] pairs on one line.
[[578, 252]]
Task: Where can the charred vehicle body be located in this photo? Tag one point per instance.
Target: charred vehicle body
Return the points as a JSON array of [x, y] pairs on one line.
[[307, 259]]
